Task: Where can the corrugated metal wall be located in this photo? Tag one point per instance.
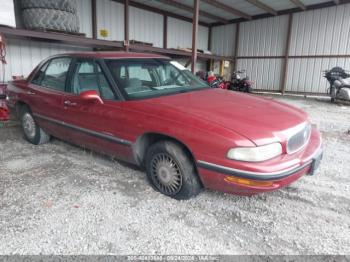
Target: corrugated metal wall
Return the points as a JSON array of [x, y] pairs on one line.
[[222, 40], [305, 74], [200, 65], [265, 37], [180, 34], [146, 26], [85, 17], [319, 32], [265, 73], [23, 56], [110, 17]]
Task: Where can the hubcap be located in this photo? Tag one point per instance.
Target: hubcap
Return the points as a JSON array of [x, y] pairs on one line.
[[28, 125], [166, 174]]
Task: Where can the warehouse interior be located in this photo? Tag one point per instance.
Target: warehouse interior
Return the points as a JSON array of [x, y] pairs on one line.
[[66, 200], [283, 45]]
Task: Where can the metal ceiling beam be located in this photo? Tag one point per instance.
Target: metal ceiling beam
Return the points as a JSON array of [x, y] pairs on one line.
[[227, 8], [287, 11], [299, 4], [159, 11], [190, 9], [263, 6], [337, 2]]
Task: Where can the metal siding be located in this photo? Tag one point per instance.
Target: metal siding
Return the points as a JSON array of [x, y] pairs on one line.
[[223, 40], [180, 34], [264, 37], [321, 32], [318, 32], [305, 75], [23, 56], [265, 73], [85, 17], [110, 16], [146, 26], [200, 65]]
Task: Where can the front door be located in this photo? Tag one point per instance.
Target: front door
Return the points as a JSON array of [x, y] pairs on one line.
[[94, 125]]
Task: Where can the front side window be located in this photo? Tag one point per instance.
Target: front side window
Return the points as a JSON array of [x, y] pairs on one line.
[[55, 74], [89, 76], [142, 78]]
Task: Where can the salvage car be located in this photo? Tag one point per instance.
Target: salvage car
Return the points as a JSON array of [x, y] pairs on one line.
[[151, 111]]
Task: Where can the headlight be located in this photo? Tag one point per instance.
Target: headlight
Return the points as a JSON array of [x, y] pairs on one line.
[[255, 154]]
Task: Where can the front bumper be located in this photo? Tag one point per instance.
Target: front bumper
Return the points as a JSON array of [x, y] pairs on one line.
[[265, 177]]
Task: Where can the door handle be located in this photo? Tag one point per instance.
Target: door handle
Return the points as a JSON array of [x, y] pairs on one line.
[[69, 103], [30, 93]]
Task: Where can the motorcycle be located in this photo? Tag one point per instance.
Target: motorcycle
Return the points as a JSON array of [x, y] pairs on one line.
[[339, 81], [241, 83], [212, 80]]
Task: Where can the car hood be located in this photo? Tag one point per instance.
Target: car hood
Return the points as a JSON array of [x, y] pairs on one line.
[[261, 120]]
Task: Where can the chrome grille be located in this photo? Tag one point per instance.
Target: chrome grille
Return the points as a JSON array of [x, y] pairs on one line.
[[299, 140]]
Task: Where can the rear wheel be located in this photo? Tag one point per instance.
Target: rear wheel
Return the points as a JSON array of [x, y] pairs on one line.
[[32, 132], [171, 171]]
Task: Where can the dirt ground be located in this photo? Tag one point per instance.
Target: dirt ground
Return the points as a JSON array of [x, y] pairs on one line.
[[61, 199]]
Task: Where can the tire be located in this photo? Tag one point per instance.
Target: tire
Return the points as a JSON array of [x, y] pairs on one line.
[[61, 5], [39, 18], [171, 171], [32, 132]]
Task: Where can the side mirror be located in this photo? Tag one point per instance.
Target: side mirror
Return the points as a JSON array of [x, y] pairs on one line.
[[91, 96]]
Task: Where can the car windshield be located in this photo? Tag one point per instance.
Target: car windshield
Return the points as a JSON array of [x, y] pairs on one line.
[[144, 78]]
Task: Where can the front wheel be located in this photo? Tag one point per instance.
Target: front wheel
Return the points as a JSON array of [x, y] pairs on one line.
[[171, 171], [32, 132]]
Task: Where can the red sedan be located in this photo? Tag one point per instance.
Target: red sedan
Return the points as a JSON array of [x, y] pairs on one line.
[[151, 111]]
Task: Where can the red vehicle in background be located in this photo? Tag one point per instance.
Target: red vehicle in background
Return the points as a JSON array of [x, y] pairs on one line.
[[213, 80], [152, 112], [4, 112]]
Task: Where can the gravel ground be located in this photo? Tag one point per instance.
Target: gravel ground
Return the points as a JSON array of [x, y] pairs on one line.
[[61, 199]]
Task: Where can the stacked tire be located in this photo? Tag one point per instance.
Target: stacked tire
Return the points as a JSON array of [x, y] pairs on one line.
[[56, 15]]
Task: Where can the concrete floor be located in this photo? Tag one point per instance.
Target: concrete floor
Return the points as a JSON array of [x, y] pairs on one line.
[[61, 199]]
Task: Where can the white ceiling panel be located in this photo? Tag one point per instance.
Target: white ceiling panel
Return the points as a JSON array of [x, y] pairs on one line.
[[279, 5], [241, 5]]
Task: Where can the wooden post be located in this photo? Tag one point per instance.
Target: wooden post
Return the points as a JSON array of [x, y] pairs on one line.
[[126, 25], [286, 56], [94, 19], [236, 47], [194, 35], [165, 31]]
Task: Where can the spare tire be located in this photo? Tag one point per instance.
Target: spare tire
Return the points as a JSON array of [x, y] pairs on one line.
[[39, 18], [62, 5]]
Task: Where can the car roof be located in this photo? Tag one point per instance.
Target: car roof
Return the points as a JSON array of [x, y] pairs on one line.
[[115, 55]]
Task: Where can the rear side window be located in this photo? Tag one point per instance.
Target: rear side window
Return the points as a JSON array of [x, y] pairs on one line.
[[55, 74], [38, 77]]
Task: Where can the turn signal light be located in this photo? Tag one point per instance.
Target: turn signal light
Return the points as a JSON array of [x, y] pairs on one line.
[[248, 182]]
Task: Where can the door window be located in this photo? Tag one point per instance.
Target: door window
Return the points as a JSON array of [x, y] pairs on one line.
[[56, 74], [89, 76]]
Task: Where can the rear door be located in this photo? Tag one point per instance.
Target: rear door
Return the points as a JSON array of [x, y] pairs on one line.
[[45, 94], [97, 126]]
